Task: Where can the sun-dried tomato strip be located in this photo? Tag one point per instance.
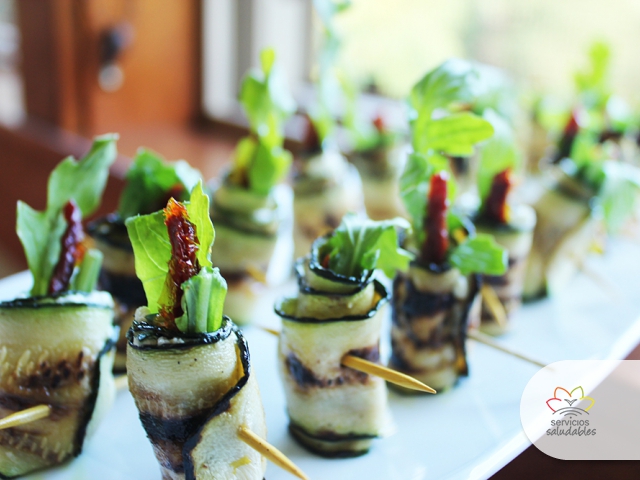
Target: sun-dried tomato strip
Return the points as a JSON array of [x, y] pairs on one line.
[[495, 206], [434, 249], [184, 262], [71, 251], [568, 137]]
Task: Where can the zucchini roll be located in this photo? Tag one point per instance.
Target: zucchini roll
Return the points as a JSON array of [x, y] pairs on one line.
[[437, 300], [194, 391], [150, 182], [511, 226], [56, 351], [379, 157], [432, 310], [515, 237], [252, 210], [56, 345], [325, 187], [565, 231], [254, 244], [188, 365], [336, 411]]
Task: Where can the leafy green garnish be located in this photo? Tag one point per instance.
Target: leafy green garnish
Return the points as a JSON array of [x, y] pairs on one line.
[[259, 160], [203, 302], [150, 178], [451, 85], [593, 83], [204, 293], [479, 254], [496, 154], [83, 182], [328, 87], [359, 245]]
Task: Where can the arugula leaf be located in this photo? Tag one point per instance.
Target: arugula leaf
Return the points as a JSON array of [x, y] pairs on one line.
[[203, 302], [266, 100], [496, 154], [84, 182], [455, 134], [149, 179], [479, 254], [360, 244], [593, 83], [452, 82], [260, 159]]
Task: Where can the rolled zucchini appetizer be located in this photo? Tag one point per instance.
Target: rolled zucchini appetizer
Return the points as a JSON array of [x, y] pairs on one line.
[[326, 187], [379, 155], [436, 302], [188, 365], [252, 210], [56, 345], [151, 181], [565, 232], [336, 411], [510, 225]]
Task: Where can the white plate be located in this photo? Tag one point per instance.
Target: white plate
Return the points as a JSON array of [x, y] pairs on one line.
[[469, 432]]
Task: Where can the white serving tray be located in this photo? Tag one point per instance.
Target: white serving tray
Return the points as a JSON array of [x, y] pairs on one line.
[[468, 432]]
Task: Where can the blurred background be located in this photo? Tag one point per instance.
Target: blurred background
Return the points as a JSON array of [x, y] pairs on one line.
[[165, 74]]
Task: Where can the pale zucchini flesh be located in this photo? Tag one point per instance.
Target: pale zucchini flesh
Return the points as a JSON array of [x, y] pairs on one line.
[[56, 352]]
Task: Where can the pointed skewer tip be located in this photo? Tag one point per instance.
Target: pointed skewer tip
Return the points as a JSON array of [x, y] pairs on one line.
[[270, 452]]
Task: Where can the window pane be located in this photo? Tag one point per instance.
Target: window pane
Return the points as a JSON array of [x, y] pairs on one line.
[[540, 42]]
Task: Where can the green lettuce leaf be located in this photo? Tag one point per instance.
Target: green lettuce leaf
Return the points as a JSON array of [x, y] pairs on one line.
[[360, 244], [152, 252], [198, 211], [496, 154], [83, 181], [203, 302], [479, 254], [619, 193], [149, 179]]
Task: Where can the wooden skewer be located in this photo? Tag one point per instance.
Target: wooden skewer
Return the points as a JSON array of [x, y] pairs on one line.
[[121, 382], [490, 342], [256, 273], [392, 376], [370, 368], [490, 296], [270, 452], [25, 416]]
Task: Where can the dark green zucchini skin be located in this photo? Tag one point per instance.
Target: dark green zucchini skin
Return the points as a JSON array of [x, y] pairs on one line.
[[71, 374], [416, 332], [176, 436]]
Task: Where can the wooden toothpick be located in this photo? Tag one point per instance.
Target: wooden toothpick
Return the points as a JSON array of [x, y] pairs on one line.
[[25, 416], [391, 376], [121, 382], [490, 342], [270, 452], [496, 308], [370, 368]]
